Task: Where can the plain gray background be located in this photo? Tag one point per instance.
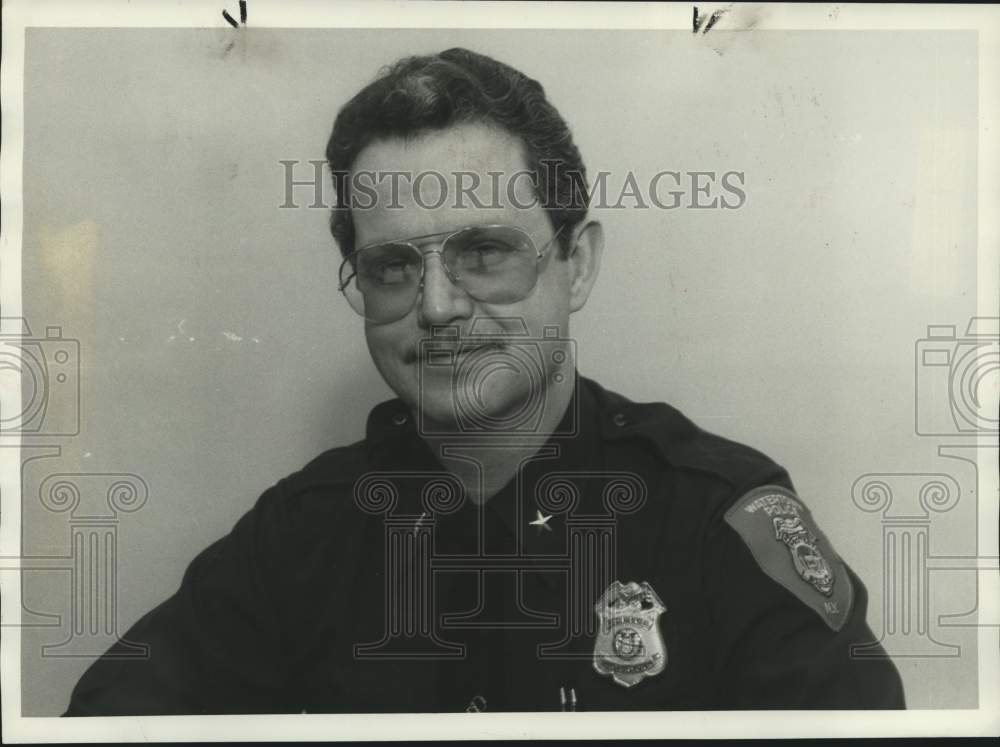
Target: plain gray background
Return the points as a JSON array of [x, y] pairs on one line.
[[217, 355]]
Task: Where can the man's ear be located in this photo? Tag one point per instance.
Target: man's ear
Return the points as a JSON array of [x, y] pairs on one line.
[[584, 262]]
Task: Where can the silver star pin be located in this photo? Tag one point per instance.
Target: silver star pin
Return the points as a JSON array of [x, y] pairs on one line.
[[416, 527], [542, 522]]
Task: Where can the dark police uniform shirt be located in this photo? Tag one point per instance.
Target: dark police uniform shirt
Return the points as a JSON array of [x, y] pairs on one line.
[[364, 583]]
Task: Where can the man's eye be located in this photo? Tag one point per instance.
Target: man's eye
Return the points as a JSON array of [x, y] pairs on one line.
[[485, 254], [388, 272], [392, 272]]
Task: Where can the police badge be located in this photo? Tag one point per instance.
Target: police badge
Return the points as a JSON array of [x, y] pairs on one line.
[[629, 646], [808, 560]]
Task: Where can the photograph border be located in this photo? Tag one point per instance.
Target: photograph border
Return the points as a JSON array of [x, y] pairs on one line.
[[20, 15]]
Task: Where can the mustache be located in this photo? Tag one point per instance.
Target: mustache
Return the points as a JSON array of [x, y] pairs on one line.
[[420, 351]]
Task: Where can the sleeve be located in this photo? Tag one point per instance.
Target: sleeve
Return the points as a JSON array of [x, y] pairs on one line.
[[215, 646], [790, 614]]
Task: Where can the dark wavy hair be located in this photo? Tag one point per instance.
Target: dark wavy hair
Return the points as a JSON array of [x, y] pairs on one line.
[[457, 86]]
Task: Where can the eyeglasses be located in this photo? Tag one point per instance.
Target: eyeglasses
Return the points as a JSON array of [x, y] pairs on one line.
[[492, 263]]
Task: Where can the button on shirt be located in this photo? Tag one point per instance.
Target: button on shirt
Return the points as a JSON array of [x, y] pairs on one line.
[[366, 583]]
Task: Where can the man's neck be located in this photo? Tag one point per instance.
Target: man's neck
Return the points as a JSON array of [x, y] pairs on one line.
[[486, 465]]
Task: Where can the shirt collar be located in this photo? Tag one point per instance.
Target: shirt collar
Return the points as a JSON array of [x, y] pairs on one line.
[[392, 420], [617, 418]]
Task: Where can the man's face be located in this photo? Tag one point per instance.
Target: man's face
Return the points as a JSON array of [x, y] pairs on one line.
[[395, 346]]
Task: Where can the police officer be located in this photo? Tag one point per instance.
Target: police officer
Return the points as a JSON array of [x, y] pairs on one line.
[[508, 536]]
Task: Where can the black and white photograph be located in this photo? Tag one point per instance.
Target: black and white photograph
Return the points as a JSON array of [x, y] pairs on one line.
[[379, 370]]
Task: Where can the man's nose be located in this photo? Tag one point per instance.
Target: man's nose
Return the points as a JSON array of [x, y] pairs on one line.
[[441, 300]]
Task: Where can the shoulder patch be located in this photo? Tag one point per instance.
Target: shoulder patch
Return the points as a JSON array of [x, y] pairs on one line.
[[792, 550]]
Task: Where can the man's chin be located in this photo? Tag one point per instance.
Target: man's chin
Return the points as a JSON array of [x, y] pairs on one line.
[[471, 409]]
